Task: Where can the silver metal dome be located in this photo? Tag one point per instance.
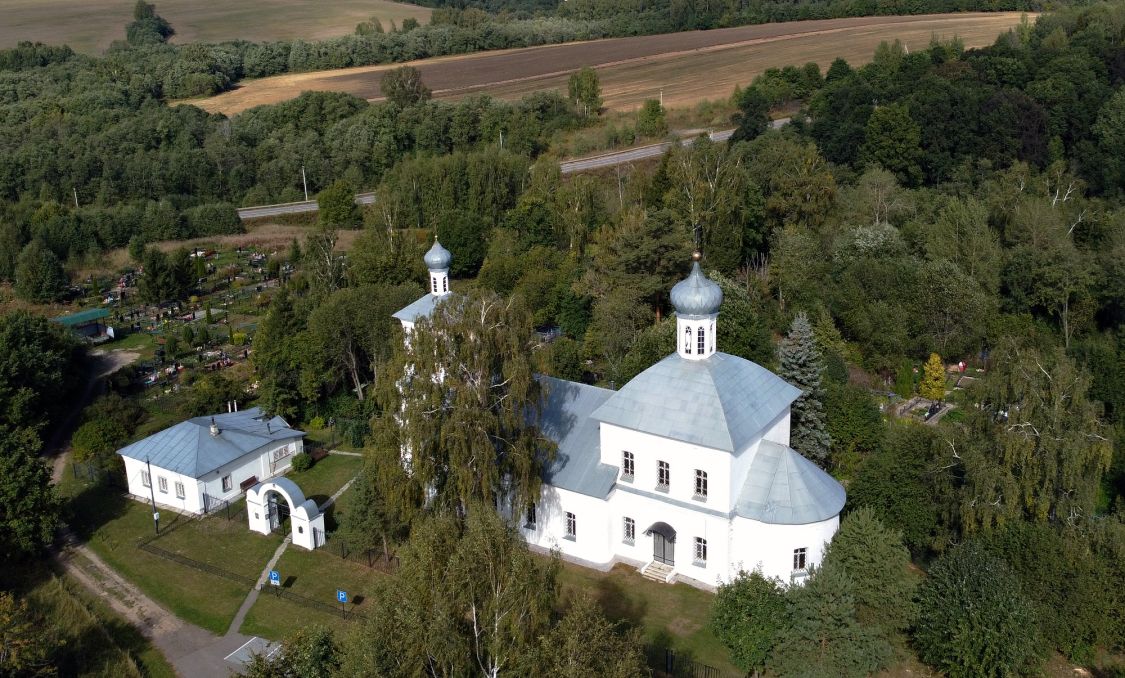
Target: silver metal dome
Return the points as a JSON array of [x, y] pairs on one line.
[[696, 295], [438, 258]]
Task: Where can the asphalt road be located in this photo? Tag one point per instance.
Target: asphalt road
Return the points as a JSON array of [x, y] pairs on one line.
[[568, 167], [293, 207]]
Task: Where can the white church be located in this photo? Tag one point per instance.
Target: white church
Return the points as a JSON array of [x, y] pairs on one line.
[[686, 471]]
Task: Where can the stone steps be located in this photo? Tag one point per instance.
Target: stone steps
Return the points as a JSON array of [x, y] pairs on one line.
[[657, 572]]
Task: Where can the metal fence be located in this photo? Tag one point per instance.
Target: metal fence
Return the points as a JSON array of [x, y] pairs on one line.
[[337, 545], [149, 547], [341, 611], [665, 661]]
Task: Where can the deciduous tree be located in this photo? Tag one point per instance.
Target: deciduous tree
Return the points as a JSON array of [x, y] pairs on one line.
[[461, 402], [403, 86], [585, 91], [933, 379], [749, 617]]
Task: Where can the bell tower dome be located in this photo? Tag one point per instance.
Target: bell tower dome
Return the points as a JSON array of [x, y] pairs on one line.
[[696, 300], [437, 260]]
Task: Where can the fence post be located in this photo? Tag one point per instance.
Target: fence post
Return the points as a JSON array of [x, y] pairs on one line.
[[669, 660]]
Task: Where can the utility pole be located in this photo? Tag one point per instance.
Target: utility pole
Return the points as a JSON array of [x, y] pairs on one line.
[[501, 138], [304, 183], [662, 97], [152, 496], [75, 197]]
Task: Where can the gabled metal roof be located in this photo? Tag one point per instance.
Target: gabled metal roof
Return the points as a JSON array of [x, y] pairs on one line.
[[422, 308], [723, 402], [784, 488], [565, 419], [189, 448]]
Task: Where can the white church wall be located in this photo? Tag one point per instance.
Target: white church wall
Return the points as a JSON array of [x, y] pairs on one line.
[[770, 547], [683, 460], [592, 536], [688, 521]]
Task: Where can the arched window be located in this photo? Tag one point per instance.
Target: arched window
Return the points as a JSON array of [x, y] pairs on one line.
[[433, 282], [445, 284], [701, 345], [687, 340]]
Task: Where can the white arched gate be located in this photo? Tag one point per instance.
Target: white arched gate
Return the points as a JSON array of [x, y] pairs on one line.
[[307, 520]]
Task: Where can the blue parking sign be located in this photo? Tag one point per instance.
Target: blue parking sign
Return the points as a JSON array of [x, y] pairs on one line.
[[341, 596], [275, 577]]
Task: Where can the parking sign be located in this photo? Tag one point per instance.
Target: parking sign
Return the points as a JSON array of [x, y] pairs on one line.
[[275, 577], [341, 596]]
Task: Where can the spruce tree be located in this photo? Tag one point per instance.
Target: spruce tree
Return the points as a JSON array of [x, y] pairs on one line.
[[801, 365]]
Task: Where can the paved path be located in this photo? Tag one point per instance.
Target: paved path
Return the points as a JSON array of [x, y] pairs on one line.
[[252, 597]]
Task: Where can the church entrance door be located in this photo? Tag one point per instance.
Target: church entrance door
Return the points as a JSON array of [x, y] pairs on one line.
[[663, 550]]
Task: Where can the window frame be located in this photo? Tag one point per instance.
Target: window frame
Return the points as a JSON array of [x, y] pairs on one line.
[[181, 491], [162, 484], [700, 341], [701, 485], [571, 527], [800, 559], [699, 552], [663, 476], [146, 479], [530, 517], [227, 483], [628, 466], [687, 340], [630, 531]]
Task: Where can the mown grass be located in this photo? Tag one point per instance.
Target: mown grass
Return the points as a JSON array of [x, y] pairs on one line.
[[676, 616], [113, 525]]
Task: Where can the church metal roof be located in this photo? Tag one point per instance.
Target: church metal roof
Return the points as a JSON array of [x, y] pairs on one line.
[[422, 308], [723, 402], [189, 448], [784, 488], [565, 419]]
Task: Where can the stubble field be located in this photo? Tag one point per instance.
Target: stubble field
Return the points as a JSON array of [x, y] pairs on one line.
[[89, 26], [689, 67]]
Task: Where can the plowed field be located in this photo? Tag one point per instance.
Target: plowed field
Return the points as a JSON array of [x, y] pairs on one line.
[[689, 67]]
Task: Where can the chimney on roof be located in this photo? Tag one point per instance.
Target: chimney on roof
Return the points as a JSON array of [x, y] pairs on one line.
[[214, 427], [230, 408], [267, 427], [236, 406]]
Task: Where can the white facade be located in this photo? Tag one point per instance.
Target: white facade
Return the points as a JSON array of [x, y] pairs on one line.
[[732, 542], [686, 470], [224, 483]]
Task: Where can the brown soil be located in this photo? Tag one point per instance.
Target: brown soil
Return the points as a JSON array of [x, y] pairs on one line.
[[689, 66]]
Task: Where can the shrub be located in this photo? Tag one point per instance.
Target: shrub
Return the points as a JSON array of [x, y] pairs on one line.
[[747, 618], [317, 423], [302, 461]]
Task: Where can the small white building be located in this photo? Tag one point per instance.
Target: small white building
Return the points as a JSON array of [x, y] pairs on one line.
[[197, 464], [686, 471]]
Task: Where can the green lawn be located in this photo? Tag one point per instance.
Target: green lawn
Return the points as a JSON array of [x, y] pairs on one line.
[[316, 575], [326, 477], [112, 525], [675, 616]]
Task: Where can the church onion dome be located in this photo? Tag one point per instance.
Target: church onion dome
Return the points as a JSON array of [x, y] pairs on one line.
[[696, 295], [438, 257]]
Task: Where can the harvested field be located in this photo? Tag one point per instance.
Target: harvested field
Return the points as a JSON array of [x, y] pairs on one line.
[[690, 66], [91, 25]]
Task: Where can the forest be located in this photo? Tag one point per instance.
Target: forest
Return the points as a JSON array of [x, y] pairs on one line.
[[929, 208]]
